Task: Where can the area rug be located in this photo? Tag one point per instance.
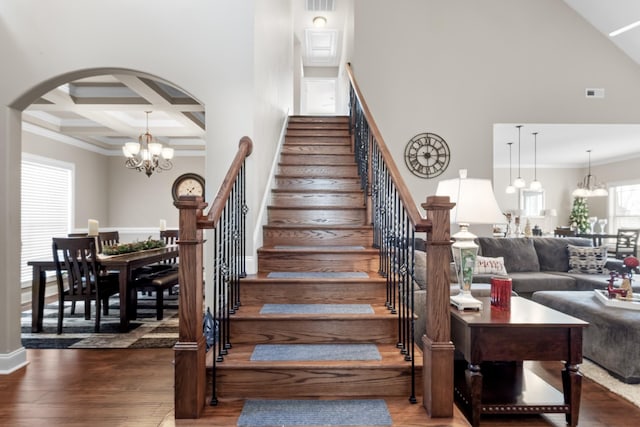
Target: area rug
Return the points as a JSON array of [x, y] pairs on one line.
[[318, 275], [316, 309], [263, 413], [630, 392], [145, 331], [314, 352]]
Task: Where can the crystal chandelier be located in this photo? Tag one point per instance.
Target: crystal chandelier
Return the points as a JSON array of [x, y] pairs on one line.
[[588, 187], [147, 155]]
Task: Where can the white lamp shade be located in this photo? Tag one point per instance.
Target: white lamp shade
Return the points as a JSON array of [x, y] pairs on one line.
[[155, 148], [535, 185], [132, 147], [474, 199], [167, 153], [510, 189], [519, 183], [126, 152]]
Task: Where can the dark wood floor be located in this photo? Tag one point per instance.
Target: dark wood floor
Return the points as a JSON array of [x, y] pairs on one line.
[[135, 388]]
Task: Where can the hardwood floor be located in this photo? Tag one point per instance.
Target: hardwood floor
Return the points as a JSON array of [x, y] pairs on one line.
[[135, 388]]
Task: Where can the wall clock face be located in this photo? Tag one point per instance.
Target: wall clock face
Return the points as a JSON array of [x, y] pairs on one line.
[[427, 155], [188, 184]]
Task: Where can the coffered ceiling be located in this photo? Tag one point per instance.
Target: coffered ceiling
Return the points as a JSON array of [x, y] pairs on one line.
[[102, 113]]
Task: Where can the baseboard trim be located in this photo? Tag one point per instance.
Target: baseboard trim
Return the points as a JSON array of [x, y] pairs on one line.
[[11, 362]]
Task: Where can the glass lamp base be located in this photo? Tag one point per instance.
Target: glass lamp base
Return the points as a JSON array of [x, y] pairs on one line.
[[464, 301]]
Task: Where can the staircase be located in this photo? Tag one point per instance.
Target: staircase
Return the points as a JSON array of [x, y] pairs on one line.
[[317, 250]]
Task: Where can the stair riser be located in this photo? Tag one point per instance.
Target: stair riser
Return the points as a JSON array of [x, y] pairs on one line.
[[348, 171], [287, 383], [312, 217], [313, 330], [258, 293], [314, 261], [350, 184], [340, 125], [316, 237], [353, 200], [316, 159], [316, 149], [317, 140], [318, 132], [318, 119]]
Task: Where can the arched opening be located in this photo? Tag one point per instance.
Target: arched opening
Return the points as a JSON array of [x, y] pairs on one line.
[[81, 120]]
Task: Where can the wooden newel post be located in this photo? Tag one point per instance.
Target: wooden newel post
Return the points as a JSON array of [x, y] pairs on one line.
[[190, 350], [437, 345]]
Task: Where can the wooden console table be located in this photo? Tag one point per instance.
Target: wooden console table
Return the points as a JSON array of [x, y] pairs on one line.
[[494, 344]]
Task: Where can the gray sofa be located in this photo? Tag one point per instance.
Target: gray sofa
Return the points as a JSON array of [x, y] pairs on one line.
[[539, 264]]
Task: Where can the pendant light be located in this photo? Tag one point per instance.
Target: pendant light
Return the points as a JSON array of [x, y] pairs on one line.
[[589, 186], [535, 184], [519, 182], [510, 188]]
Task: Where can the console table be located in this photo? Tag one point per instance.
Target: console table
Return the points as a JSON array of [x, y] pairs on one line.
[[494, 343]]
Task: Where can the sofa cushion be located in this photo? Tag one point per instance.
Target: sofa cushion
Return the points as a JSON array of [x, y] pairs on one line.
[[553, 254], [527, 282], [589, 260], [487, 265], [518, 253], [420, 269], [588, 282]]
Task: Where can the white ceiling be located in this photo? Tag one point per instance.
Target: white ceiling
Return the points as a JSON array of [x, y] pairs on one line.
[[101, 113], [565, 145]]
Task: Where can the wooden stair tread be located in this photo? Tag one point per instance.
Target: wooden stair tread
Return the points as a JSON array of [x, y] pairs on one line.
[[253, 312], [391, 356]]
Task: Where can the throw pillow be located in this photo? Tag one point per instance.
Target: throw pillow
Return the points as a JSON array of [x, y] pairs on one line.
[[487, 265], [590, 260], [518, 253]]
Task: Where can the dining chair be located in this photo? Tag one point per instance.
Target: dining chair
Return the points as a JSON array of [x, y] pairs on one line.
[[564, 232], [627, 242], [163, 276], [77, 235], [76, 256], [107, 238]]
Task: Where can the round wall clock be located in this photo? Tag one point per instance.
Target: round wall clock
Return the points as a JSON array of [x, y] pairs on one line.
[[188, 184], [427, 155]]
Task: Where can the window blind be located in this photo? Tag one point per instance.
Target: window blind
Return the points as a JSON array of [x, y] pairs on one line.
[[46, 202]]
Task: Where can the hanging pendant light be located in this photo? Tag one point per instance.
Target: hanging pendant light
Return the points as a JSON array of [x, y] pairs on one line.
[[519, 182], [510, 188], [535, 184]]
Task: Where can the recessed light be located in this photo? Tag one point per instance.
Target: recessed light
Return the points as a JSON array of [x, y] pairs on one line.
[[319, 21]]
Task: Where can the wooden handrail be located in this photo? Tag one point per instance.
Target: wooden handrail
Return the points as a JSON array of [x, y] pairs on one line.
[[421, 224], [245, 147]]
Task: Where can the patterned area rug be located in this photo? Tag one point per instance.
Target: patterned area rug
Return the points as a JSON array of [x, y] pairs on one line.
[[145, 332], [631, 392]]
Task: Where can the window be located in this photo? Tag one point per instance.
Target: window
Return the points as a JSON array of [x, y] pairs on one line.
[[624, 206], [531, 203], [46, 202]]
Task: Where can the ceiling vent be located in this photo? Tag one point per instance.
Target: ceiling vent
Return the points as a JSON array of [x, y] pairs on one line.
[[594, 92], [321, 5]]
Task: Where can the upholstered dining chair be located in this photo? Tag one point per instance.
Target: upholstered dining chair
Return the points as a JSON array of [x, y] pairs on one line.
[[76, 256]]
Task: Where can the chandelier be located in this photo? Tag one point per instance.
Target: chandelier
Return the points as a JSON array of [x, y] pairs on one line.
[[589, 187], [147, 155]]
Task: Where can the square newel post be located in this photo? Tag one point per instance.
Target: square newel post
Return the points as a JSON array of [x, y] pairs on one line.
[[437, 345], [190, 350]]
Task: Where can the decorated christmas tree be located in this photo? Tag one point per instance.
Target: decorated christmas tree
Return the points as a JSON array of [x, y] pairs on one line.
[[579, 217]]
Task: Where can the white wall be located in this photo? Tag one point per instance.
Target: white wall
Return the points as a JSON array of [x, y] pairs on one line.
[[456, 67], [205, 48]]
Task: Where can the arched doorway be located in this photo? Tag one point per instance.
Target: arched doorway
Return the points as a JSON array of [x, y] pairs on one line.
[[92, 113]]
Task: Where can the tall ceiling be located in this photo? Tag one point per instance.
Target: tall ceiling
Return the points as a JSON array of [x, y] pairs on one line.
[[101, 113]]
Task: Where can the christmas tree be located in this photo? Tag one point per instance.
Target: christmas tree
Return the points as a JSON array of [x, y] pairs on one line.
[[579, 217]]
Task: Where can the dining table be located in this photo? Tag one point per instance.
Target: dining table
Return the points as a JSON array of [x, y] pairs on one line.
[[123, 264], [597, 238]]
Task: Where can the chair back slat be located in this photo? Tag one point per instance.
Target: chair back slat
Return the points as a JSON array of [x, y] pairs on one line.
[[170, 237], [107, 238], [627, 242], [76, 256]]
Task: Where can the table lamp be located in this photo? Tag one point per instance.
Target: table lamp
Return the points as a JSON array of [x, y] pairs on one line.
[[475, 204]]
